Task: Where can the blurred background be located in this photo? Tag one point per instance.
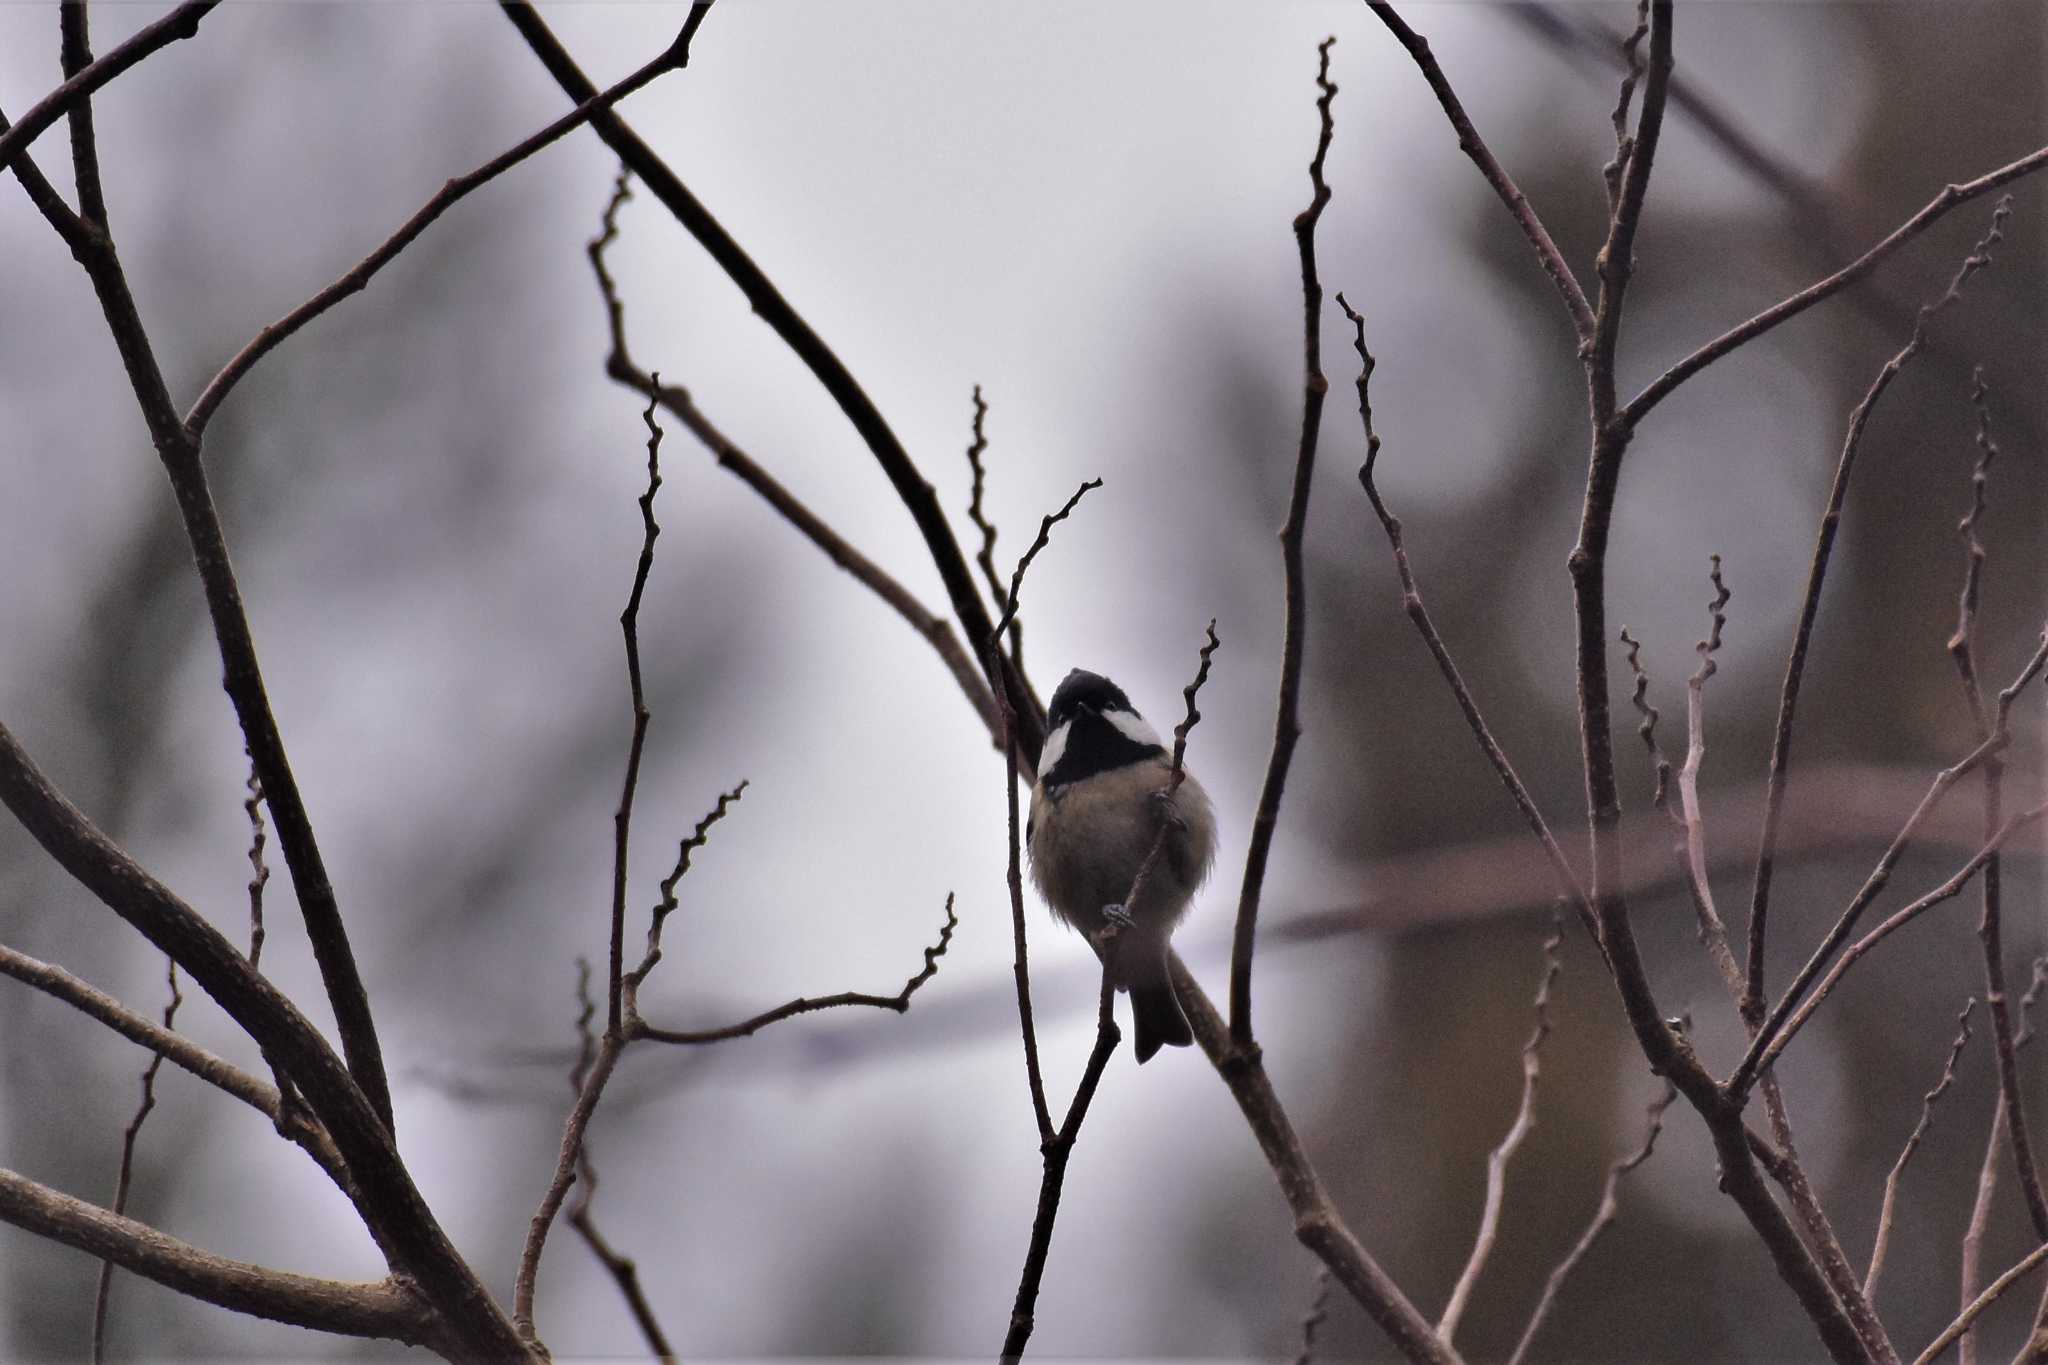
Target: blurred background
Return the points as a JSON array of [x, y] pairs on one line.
[[430, 494]]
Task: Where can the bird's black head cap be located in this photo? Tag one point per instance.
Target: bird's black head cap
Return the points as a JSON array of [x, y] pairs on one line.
[[1081, 690]]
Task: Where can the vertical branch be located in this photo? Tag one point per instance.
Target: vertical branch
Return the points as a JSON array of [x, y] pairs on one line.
[[1823, 548], [1287, 723], [986, 555], [1987, 1173], [126, 1178], [1961, 647], [1312, 1321], [622, 818], [1524, 1122]]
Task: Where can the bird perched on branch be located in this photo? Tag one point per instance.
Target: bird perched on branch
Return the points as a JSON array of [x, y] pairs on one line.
[[1101, 804]]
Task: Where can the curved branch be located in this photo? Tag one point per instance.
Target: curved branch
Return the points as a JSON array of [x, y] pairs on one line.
[[387, 1308]]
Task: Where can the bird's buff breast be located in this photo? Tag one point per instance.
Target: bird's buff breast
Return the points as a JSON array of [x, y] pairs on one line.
[[1088, 839]]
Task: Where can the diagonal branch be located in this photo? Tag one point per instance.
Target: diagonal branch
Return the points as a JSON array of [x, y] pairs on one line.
[[181, 22], [1469, 142]]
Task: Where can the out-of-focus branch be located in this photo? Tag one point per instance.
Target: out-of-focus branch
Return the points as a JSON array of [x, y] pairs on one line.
[[1795, 666], [1987, 1171], [619, 365], [1524, 1123], [389, 1309], [181, 22], [1469, 142], [767, 301], [1603, 1216], [1294, 643], [1737, 337]]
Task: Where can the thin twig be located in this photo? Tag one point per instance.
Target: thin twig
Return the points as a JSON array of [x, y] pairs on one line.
[[1287, 714], [1488, 1235], [638, 1028], [1746, 1072], [1411, 601], [934, 629], [912, 489], [1739, 336], [1176, 771], [625, 1274], [259, 873], [1824, 542], [1987, 1171], [1632, 71], [1713, 930], [657, 917], [126, 1178], [1603, 1217], [1470, 143], [2025, 1266], [986, 555], [1948, 890], [1990, 936], [1889, 1207], [622, 818], [672, 58], [1018, 762]]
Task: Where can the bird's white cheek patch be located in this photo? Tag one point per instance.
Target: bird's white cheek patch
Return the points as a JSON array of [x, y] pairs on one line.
[[1134, 727], [1055, 746]]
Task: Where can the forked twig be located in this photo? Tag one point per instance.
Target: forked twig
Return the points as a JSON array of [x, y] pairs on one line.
[[1889, 1206]]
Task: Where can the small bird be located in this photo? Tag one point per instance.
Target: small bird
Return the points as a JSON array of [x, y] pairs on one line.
[[1098, 806]]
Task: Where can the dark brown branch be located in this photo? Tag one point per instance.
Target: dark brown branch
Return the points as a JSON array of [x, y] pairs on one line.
[[1019, 759], [124, 1182], [1318, 1225], [259, 873], [242, 677], [673, 58], [1603, 1217], [1470, 143], [1889, 1207], [1484, 1240], [1411, 602], [985, 557], [387, 1309], [916, 494], [179, 1050], [1823, 548], [666, 906], [619, 365], [1736, 337], [1294, 643], [181, 22], [1632, 71], [383, 1192], [75, 54], [1055, 1152]]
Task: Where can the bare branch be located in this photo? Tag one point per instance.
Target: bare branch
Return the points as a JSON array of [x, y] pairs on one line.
[[1497, 1162], [1824, 542], [2026, 1265], [1287, 714], [389, 1308], [619, 365], [126, 1178], [1891, 1182], [1736, 337], [1987, 1172], [1603, 1217], [672, 58], [1470, 143], [181, 22], [666, 906], [1411, 601], [1312, 1321], [637, 1028], [768, 303]]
